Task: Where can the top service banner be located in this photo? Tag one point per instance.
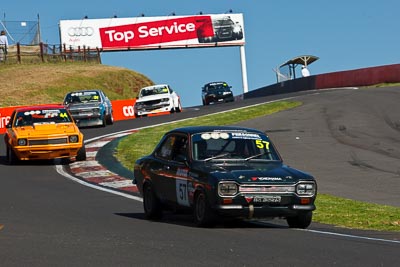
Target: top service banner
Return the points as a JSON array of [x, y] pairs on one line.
[[153, 32]]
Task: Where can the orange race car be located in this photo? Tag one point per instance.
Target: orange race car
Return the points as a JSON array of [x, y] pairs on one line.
[[41, 133]]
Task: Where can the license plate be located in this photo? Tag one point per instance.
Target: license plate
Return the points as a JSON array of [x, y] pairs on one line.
[[267, 199]]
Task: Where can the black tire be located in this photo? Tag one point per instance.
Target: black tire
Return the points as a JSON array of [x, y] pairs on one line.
[[104, 120], [11, 157], [179, 107], [110, 119], [81, 156], [203, 215], [302, 220], [151, 204]]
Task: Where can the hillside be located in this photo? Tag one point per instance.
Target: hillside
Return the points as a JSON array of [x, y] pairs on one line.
[[28, 84]]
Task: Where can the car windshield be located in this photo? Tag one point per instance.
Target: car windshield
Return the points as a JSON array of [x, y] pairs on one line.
[[232, 145], [82, 97], [154, 91], [219, 87], [41, 116]]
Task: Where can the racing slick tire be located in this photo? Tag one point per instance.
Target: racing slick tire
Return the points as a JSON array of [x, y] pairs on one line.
[[204, 215], [179, 107], [10, 156], [81, 156], [104, 120], [110, 119], [302, 220], [151, 204]]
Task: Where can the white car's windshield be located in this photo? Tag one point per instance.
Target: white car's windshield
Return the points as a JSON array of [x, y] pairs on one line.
[[154, 91]]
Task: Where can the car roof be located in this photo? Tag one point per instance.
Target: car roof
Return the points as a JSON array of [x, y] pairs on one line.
[[215, 83], [86, 90], [200, 129], [51, 106]]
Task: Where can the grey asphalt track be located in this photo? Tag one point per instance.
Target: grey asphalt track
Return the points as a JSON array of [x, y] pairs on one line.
[[348, 139]]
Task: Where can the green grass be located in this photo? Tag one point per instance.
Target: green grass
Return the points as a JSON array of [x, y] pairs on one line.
[[142, 143], [356, 214], [330, 209]]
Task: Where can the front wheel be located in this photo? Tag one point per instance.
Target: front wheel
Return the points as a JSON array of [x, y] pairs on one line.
[[81, 156], [204, 216], [302, 220], [151, 204], [179, 107], [11, 157], [110, 119]]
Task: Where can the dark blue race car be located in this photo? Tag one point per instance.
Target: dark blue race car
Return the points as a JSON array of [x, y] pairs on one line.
[[223, 171]]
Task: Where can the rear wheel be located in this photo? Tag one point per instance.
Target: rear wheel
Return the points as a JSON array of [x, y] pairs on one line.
[[302, 220], [204, 216], [151, 204]]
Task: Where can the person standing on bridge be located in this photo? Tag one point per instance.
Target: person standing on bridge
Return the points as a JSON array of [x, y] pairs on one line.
[[304, 71], [3, 45]]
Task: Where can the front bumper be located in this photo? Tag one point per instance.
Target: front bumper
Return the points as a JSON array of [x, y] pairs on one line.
[[47, 152], [145, 109], [219, 98], [86, 122], [265, 211]]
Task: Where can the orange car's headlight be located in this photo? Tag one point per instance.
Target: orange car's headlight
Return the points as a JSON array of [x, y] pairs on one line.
[[73, 139], [22, 142]]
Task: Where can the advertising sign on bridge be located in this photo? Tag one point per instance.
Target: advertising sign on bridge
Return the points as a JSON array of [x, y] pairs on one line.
[[153, 32]]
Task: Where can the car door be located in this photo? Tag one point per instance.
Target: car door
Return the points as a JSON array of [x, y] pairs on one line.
[[170, 172]]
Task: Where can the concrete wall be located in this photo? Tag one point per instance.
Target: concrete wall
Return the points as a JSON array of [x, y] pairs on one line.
[[350, 78]]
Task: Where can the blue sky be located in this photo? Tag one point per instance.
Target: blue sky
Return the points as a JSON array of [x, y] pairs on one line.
[[343, 34]]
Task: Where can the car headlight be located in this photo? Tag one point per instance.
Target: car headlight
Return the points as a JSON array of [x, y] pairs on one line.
[[73, 139], [305, 189], [164, 100], [226, 189], [22, 142]]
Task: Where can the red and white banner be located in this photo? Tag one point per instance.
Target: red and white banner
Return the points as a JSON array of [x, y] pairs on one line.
[[153, 32]]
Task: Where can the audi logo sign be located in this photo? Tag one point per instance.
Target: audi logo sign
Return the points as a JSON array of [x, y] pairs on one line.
[[80, 31]]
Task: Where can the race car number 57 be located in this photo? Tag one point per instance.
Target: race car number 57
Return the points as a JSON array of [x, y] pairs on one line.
[[182, 192]]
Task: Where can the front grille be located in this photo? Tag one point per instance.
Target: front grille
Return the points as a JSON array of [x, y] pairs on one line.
[[279, 189], [152, 102], [48, 141]]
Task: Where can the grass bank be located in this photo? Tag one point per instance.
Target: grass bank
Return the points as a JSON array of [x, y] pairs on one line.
[[30, 84], [330, 209]]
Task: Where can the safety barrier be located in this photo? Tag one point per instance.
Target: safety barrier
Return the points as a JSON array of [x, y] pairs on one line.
[[350, 78]]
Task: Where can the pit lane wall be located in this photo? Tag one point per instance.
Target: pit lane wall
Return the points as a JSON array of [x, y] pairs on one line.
[[350, 78]]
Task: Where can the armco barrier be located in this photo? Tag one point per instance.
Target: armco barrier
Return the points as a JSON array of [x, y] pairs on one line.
[[350, 78]]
